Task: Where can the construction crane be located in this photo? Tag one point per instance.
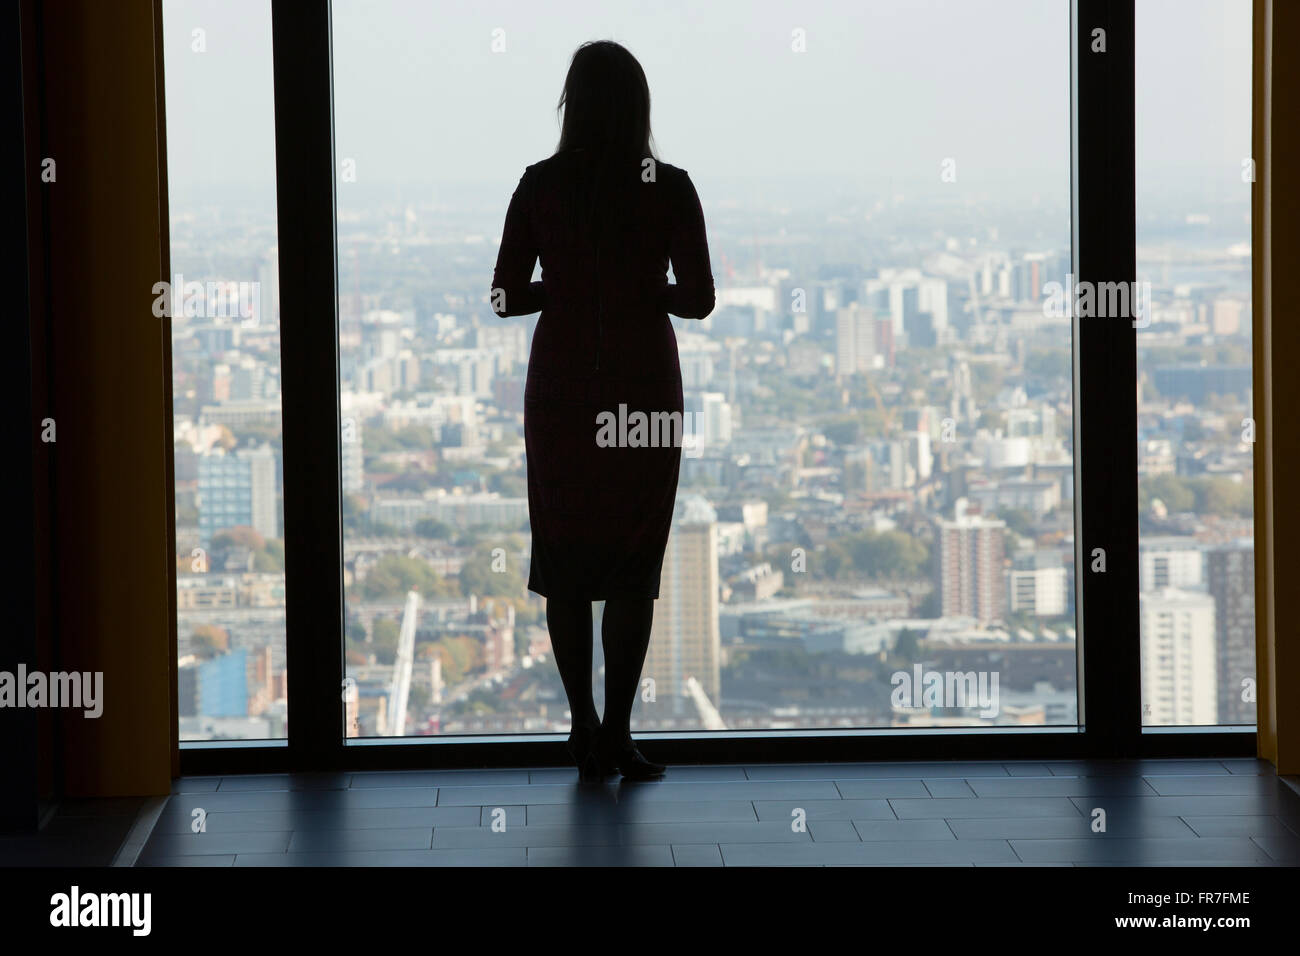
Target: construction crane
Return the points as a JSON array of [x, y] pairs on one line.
[[400, 690], [886, 414], [709, 716]]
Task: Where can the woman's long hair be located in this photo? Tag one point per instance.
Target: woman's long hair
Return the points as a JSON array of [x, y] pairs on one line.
[[606, 103]]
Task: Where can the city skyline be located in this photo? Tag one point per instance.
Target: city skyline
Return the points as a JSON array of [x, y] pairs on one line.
[[886, 401]]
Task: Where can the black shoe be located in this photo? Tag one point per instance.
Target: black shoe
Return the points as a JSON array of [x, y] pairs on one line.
[[627, 760], [582, 748]]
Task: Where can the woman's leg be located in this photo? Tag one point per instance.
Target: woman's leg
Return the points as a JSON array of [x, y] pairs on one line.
[[569, 622], [625, 636]]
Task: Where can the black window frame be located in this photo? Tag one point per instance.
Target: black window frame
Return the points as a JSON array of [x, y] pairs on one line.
[[1103, 225]]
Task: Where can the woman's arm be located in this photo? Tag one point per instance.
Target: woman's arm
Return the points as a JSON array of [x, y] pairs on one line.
[[512, 292], [692, 297]]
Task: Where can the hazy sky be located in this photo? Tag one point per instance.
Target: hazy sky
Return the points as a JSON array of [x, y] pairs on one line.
[[886, 90]]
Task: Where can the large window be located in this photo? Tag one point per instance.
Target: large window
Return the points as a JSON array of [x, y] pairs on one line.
[[876, 528], [230, 601], [1195, 430], [902, 519]]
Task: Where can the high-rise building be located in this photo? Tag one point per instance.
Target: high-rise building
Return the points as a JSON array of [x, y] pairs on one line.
[[1179, 685], [907, 293], [1230, 578], [710, 417], [855, 339], [250, 381], [697, 368], [888, 466], [223, 685], [237, 490], [1170, 561], [1037, 584], [971, 577], [961, 407], [919, 455], [684, 640], [509, 341]]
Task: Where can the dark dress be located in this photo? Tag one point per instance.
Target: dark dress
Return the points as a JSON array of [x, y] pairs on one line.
[[600, 516]]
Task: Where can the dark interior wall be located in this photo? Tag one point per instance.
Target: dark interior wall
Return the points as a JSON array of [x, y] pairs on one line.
[[1275, 242], [18, 783], [104, 593]]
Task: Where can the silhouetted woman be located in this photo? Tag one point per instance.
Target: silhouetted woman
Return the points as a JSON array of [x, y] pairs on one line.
[[606, 218]]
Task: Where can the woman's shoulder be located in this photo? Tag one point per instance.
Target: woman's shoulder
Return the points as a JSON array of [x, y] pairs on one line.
[[665, 171], [578, 158], [561, 167], [675, 176], [548, 167]]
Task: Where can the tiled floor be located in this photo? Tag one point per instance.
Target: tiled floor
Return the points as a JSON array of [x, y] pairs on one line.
[[1157, 813], [1175, 812]]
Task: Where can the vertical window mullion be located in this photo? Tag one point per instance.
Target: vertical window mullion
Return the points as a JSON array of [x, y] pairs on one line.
[[1105, 250], [304, 157]]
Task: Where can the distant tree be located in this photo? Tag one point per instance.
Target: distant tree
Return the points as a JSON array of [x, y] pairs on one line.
[[1019, 520], [414, 437], [843, 432], [394, 574], [376, 441], [986, 380], [478, 574], [1021, 620], [414, 479], [830, 562], [509, 486], [776, 498], [209, 641], [1175, 492], [268, 561], [887, 555], [1224, 498], [433, 528], [459, 655], [908, 645], [384, 635], [930, 606], [240, 537], [873, 424]]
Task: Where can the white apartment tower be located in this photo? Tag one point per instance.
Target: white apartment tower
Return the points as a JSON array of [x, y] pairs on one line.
[[1179, 682], [684, 640]]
